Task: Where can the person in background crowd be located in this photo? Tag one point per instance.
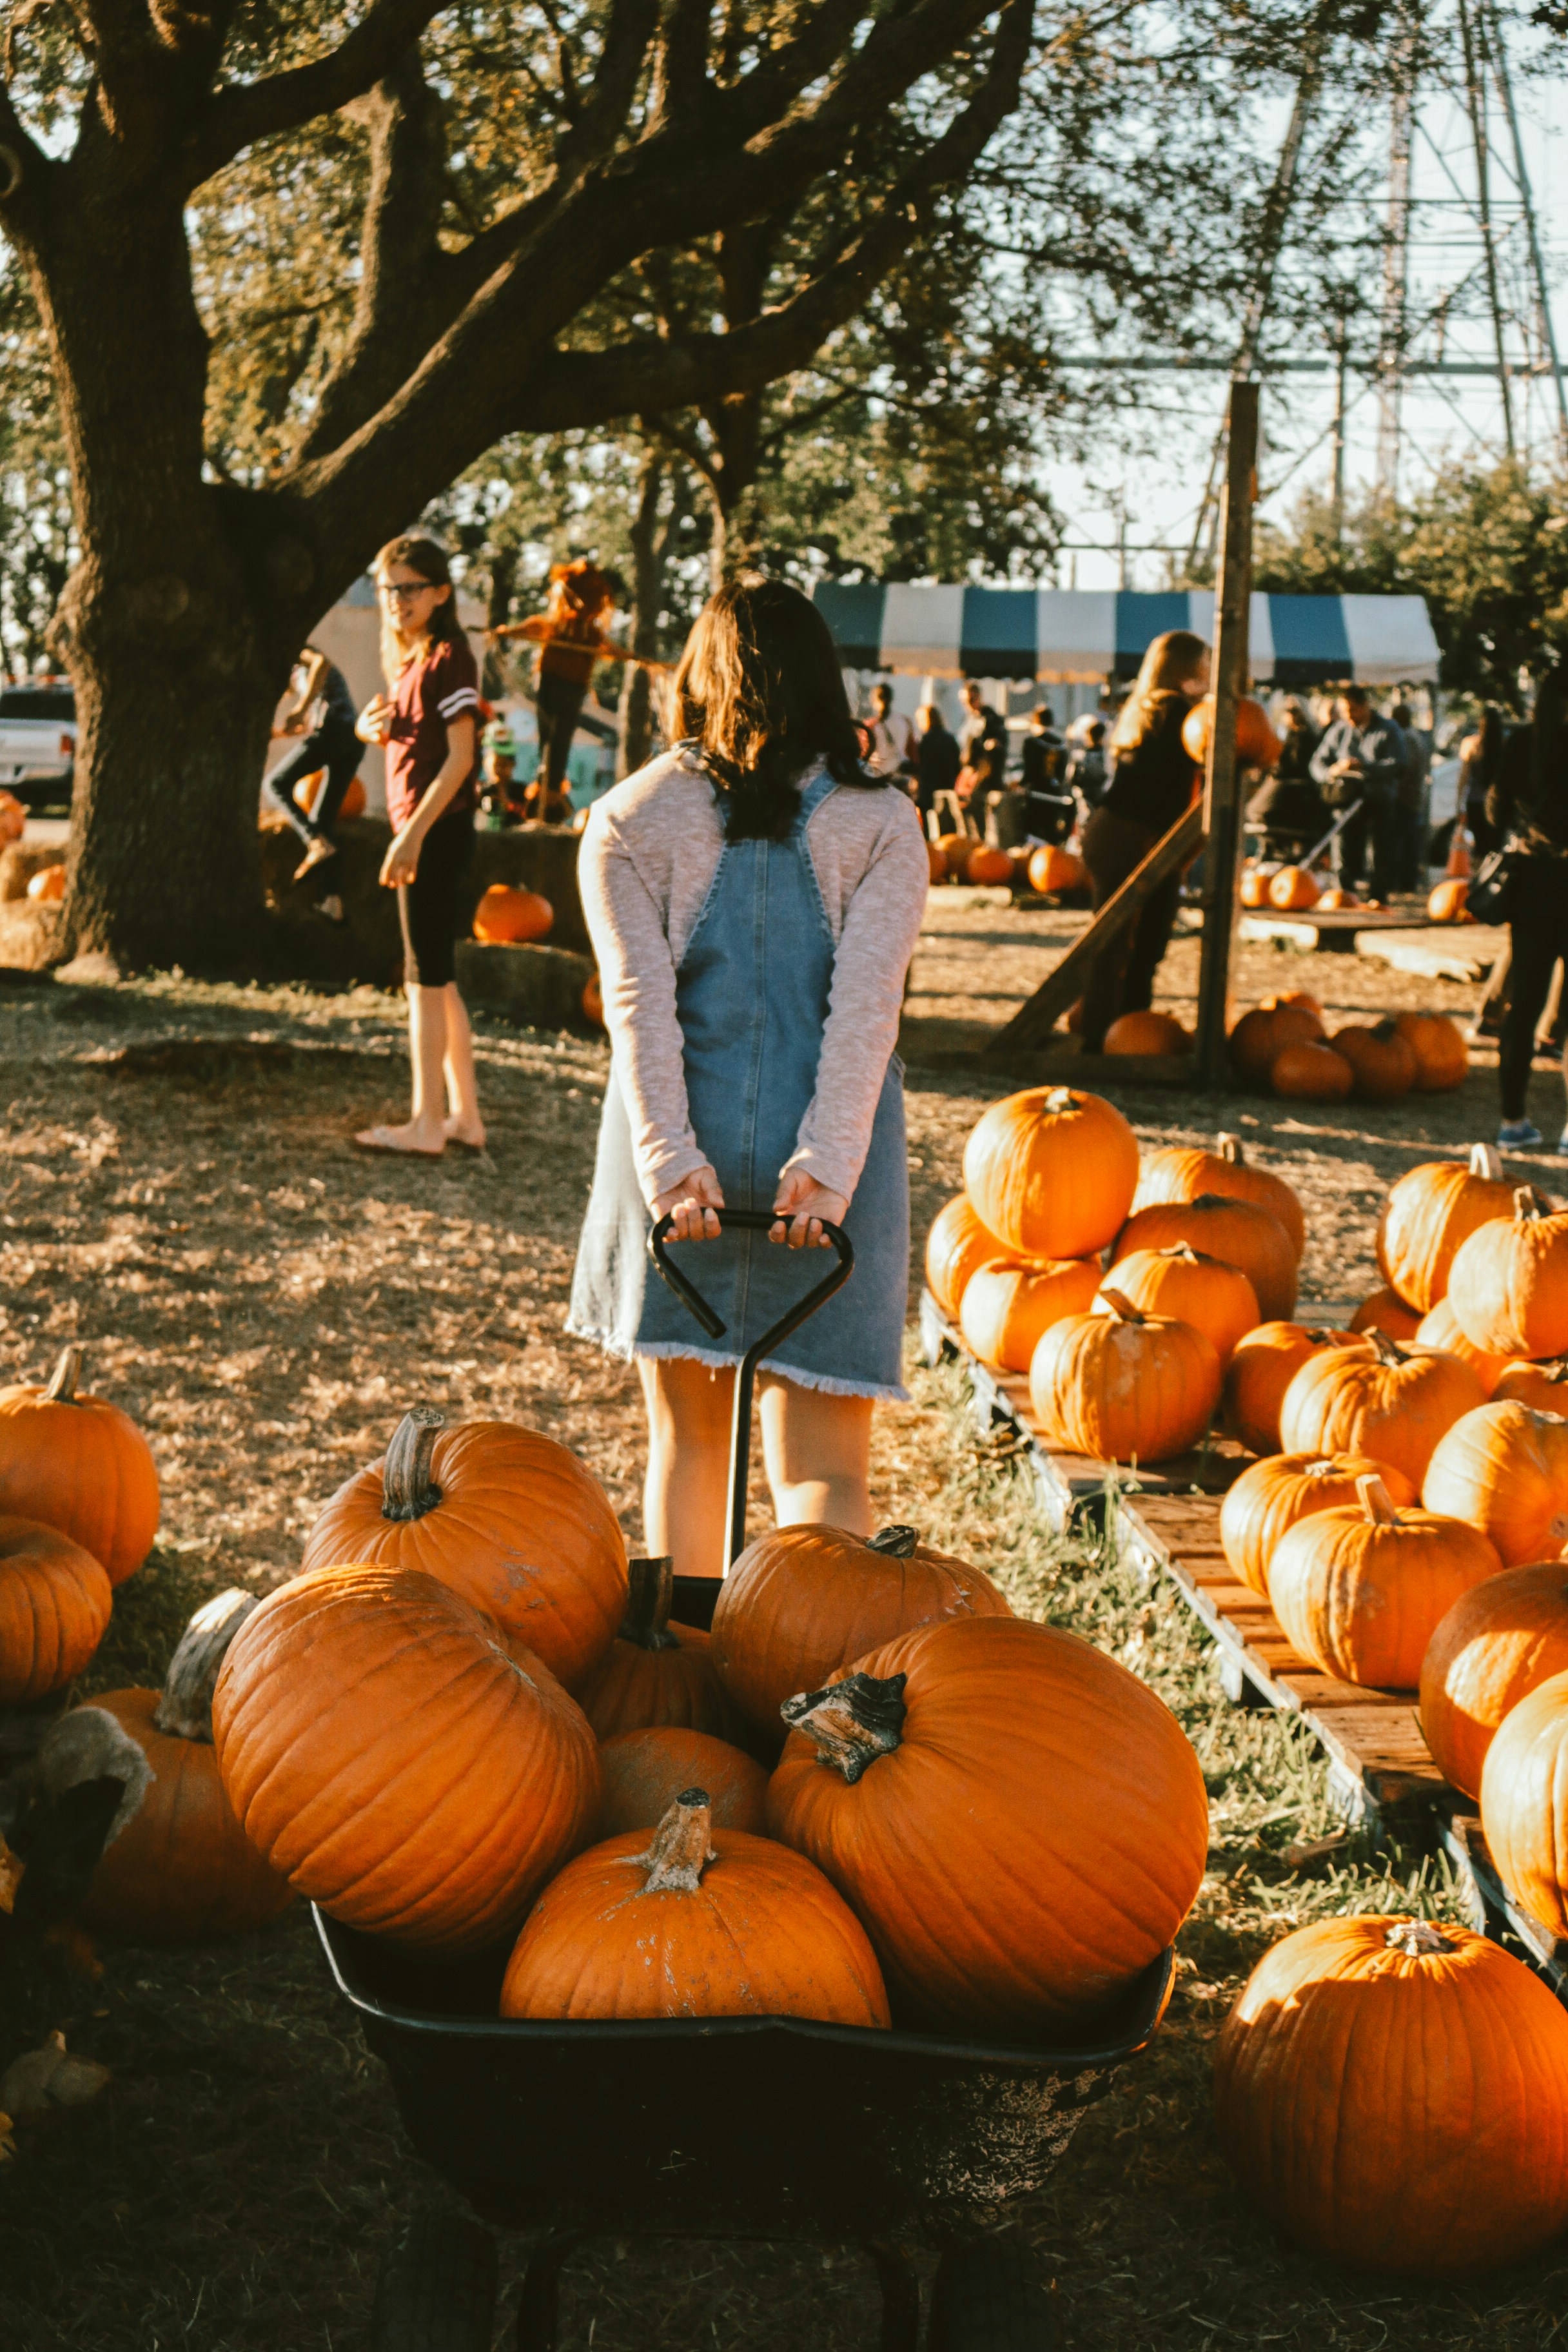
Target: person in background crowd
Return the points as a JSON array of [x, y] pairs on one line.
[[1362, 758], [984, 734], [891, 748], [937, 757], [1527, 799], [1410, 860], [499, 795], [570, 635], [1287, 808], [1045, 753], [428, 723], [324, 717], [1153, 781], [1480, 757], [1088, 772]]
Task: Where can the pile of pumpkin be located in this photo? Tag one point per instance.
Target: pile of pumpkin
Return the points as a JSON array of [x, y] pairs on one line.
[[1047, 868], [1283, 1045]]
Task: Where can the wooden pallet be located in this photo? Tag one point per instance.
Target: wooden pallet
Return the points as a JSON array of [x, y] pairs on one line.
[[1493, 1911]]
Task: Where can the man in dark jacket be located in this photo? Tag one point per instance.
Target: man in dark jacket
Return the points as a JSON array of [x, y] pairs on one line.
[[1362, 758], [1527, 803]]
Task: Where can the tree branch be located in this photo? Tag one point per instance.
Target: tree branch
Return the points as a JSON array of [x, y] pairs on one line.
[[240, 114]]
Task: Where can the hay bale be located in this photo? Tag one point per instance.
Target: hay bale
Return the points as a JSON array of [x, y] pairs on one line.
[[538, 987]]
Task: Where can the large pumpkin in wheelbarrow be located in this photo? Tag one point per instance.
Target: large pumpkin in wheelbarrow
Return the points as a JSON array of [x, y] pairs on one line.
[[1019, 1823]]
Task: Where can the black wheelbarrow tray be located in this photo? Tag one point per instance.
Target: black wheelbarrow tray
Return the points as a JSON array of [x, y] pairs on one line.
[[721, 2127]]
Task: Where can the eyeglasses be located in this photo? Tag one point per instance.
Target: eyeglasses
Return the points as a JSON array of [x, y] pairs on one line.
[[404, 592]]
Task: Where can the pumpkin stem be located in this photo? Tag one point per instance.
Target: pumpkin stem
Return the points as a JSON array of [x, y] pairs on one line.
[[895, 1543], [64, 1378], [1121, 1307], [680, 1849], [185, 1708], [1377, 1502], [1386, 1350], [1060, 1099], [651, 1589], [1415, 1936], [850, 1723], [1486, 1160], [1228, 1146], [1529, 1204], [407, 1489]]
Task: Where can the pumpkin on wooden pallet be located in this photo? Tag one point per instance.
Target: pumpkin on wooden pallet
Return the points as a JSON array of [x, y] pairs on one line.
[[1508, 1283], [182, 1868], [1051, 1171], [1177, 1173], [1524, 1802], [1311, 1072], [55, 1605], [1384, 1310], [957, 848], [1382, 1060], [1240, 1233], [507, 1517], [395, 1761], [1504, 1468], [1497, 1645], [1270, 1496], [957, 1245], [1335, 2087], [1147, 1033], [510, 917], [916, 1782], [1184, 1286], [1441, 1329], [1429, 1213], [696, 1922], [1008, 1308], [803, 1601], [654, 1672], [1445, 904], [1442, 1057], [1361, 1592], [1253, 888], [1542, 1385], [1262, 1367], [1377, 1397], [1259, 1037], [79, 1463], [1293, 890], [989, 867], [645, 1772], [1052, 868], [1122, 1386]]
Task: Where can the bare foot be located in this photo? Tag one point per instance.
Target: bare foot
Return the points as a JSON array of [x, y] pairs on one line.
[[416, 1143], [469, 1133]]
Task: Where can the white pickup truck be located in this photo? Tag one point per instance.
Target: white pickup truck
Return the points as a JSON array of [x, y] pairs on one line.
[[38, 741]]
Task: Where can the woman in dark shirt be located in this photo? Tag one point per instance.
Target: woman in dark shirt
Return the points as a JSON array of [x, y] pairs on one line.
[[427, 725], [1150, 785], [1527, 799]]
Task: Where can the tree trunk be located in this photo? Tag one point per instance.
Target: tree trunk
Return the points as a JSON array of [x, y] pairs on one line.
[[634, 731]]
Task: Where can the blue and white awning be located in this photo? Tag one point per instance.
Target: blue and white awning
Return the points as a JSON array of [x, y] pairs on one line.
[[1063, 634]]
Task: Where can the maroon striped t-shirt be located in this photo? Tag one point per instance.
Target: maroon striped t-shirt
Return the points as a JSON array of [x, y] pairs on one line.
[[430, 694]]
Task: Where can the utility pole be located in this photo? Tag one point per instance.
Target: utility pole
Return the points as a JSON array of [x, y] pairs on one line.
[[1341, 347], [1474, 38], [1222, 782], [1395, 264], [1547, 335]]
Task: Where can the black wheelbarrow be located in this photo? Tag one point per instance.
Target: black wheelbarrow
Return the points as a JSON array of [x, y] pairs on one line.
[[731, 2127]]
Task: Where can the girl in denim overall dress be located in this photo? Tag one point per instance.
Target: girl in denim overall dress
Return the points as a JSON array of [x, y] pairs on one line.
[[754, 899]]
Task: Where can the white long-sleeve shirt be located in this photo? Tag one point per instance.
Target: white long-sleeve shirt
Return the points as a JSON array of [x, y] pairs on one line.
[[650, 854]]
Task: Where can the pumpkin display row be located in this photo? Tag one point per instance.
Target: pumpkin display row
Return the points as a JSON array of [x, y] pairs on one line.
[[1284, 1044]]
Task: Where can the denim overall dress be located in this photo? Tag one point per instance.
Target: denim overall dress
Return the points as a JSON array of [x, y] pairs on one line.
[[752, 997]]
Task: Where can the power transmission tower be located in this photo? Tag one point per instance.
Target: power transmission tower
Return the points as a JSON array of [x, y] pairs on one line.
[[1395, 264]]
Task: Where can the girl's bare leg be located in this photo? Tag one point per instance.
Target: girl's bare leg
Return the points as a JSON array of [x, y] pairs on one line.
[[462, 1123], [817, 1451], [686, 1485], [424, 1131]]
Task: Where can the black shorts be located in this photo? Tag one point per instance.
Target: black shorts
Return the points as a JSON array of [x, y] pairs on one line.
[[427, 906]]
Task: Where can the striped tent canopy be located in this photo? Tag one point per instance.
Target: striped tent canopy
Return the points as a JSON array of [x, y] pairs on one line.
[[1062, 634]]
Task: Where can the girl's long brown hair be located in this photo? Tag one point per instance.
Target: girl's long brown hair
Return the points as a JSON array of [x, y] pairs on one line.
[[760, 694], [1164, 669], [428, 557]]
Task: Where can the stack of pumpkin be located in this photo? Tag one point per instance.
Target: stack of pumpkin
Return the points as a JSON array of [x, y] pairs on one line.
[[1282, 1044], [467, 1720], [1048, 868]]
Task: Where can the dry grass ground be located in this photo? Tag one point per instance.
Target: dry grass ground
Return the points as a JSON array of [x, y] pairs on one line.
[[176, 1193]]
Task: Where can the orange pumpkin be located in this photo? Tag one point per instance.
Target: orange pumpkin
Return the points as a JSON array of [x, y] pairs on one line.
[[653, 1672], [47, 886], [1259, 1037], [1007, 1307], [1183, 1286], [1122, 1386], [1336, 2078], [1543, 1385], [1504, 1468], [79, 1463], [803, 1601], [1271, 1495], [645, 1772], [1524, 1802], [1429, 1213], [989, 867], [1293, 890], [1361, 1592], [1383, 1062], [1508, 1283], [593, 1001], [936, 861], [1260, 1371], [1377, 1397], [916, 1785], [957, 848], [1447, 902], [181, 1869], [1051, 1171], [1442, 1057], [1239, 1231], [1497, 1645], [506, 916], [1311, 1072], [1441, 1329], [508, 1518], [1253, 888], [1147, 1033], [1384, 1310], [13, 819], [1179, 1174], [55, 1603], [956, 1247], [1337, 901], [696, 1922], [1256, 744], [395, 1762], [1052, 869]]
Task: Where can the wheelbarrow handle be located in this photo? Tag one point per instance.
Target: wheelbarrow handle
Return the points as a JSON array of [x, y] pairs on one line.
[[752, 1221]]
